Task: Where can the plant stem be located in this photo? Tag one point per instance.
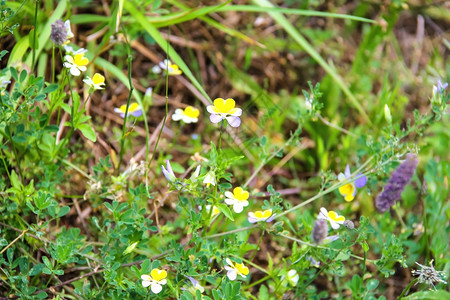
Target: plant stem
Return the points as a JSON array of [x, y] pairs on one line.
[[124, 126], [34, 33]]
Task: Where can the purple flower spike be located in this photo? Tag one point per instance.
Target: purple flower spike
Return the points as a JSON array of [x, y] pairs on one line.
[[396, 184], [361, 180]]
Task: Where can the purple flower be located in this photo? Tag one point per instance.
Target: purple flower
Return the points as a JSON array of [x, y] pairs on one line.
[[225, 109], [168, 173], [348, 190], [396, 184], [440, 88]]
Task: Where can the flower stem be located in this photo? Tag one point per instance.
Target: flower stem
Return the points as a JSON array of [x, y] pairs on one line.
[[406, 290]]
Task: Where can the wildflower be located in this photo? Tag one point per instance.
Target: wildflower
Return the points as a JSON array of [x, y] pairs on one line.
[[58, 34], [238, 199], [348, 190], [261, 216], [235, 269], [418, 228], [195, 286], [224, 109], [320, 231], [215, 211], [196, 173], [168, 173], [292, 277], [396, 184], [172, 69], [156, 280], [96, 82], [76, 64], [314, 263], [69, 33], [210, 178], [134, 109], [429, 275], [188, 115], [331, 216], [148, 95], [439, 88], [71, 51]]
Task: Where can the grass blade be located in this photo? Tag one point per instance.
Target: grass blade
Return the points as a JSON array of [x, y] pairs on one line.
[[290, 29]]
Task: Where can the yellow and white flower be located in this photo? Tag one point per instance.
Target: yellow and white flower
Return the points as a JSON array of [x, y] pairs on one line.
[[155, 280], [96, 82], [290, 278], [76, 64], [261, 216], [188, 115], [172, 69], [134, 110], [348, 190], [225, 109], [238, 199], [332, 217], [235, 269]]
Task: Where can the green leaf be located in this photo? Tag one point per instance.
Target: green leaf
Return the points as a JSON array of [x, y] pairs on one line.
[[47, 262], [37, 269], [372, 284], [429, 295], [63, 211], [88, 132], [225, 210]]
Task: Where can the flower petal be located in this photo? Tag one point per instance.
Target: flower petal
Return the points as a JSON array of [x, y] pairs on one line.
[[215, 118], [361, 181], [233, 121], [156, 288]]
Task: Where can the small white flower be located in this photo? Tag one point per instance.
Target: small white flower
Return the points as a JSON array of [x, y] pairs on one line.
[[238, 199], [69, 31], [171, 68], [96, 82], [156, 280], [235, 269], [76, 64], [331, 216], [188, 115], [69, 50], [210, 178], [261, 216], [196, 173]]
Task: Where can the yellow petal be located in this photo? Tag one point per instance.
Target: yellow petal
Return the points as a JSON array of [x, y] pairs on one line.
[[240, 194], [224, 106], [98, 78], [158, 274], [242, 269], [191, 112], [334, 216]]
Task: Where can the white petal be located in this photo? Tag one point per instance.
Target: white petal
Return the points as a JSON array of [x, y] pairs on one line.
[[233, 121], [229, 194], [146, 283], [230, 201], [156, 288], [215, 118], [238, 208], [232, 275], [237, 113], [74, 71], [334, 224]]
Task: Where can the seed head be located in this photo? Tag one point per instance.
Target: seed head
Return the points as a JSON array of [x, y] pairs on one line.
[[349, 224], [396, 184], [59, 33], [320, 231], [429, 275]]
